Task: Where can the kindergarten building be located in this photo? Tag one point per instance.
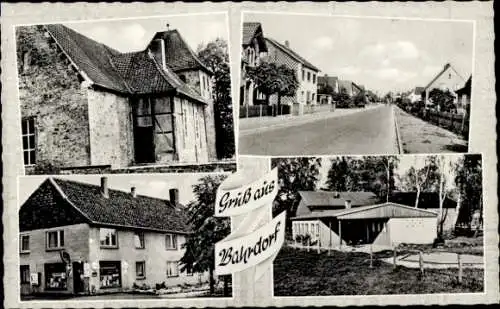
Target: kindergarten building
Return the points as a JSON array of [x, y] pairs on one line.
[[336, 219], [78, 238]]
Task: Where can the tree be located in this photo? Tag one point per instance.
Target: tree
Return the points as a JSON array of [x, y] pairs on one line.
[[294, 175], [215, 56], [342, 98], [368, 173], [207, 230], [360, 98], [468, 180], [420, 179], [442, 98], [271, 78]]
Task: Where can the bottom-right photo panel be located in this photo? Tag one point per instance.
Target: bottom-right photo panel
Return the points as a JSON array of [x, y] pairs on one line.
[[378, 225]]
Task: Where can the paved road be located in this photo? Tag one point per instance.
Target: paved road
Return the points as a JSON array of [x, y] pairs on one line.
[[366, 132]]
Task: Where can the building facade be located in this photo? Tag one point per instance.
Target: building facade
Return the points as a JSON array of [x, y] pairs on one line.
[[327, 86], [307, 73], [464, 97], [78, 238], [84, 104], [447, 79], [253, 49], [336, 219]]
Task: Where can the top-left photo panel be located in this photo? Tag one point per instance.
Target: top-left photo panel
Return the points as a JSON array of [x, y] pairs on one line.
[[147, 95]]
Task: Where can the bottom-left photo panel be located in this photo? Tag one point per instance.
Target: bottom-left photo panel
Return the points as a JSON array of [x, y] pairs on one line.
[[91, 237]]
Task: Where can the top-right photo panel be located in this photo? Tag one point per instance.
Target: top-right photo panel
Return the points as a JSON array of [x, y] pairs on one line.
[[318, 85]]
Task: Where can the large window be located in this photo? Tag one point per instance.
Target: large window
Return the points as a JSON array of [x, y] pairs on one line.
[[308, 76], [25, 273], [110, 274], [108, 238], [172, 269], [171, 241], [56, 277], [314, 78], [140, 270], [29, 141], [55, 239], [25, 243], [139, 240]]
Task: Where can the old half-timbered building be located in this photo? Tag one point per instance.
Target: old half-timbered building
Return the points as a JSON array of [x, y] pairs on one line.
[[79, 238], [84, 104]]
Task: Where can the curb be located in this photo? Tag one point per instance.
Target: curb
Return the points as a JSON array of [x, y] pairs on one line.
[[398, 134]]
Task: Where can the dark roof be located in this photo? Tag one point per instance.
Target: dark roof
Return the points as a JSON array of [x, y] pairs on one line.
[[120, 208], [328, 80], [251, 30], [323, 198], [425, 200], [384, 210], [346, 84], [178, 55], [466, 88], [446, 67], [419, 90], [292, 54], [113, 70]]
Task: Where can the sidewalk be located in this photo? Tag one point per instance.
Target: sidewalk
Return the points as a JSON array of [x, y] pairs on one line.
[[419, 136], [255, 124]]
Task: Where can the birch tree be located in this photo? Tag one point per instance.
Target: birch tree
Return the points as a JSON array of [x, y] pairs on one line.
[[420, 179]]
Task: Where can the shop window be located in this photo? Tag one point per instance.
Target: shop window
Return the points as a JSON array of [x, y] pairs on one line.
[[25, 274], [108, 238], [171, 241], [172, 269], [139, 240], [140, 270], [25, 243], [29, 140], [56, 277], [55, 239], [110, 274]]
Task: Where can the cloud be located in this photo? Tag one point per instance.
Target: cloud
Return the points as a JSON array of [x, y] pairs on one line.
[[391, 74], [400, 50], [127, 38], [324, 43], [349, 70], [431, 70]]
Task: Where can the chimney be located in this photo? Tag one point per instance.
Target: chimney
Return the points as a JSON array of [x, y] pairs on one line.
[[174, 196], [104, 187], [287, 43], [347, 204], [158, 50], [133, 192]]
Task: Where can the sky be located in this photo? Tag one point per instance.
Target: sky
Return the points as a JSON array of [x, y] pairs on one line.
[[156, 185], [405, 163], [134, 34], [381, 54]]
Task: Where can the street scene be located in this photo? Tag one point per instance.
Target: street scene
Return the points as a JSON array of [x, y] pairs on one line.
[[337, 85], [126, 96], [119, 237], [376, 225]]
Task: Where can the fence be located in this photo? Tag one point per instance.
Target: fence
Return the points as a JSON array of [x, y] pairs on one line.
[[457, 123], [249, 111]]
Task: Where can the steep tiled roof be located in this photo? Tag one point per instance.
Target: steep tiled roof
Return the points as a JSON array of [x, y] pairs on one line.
[[249, 29], [178, 55], [122, 209], [132, 73], [346, 84], [292, 54]]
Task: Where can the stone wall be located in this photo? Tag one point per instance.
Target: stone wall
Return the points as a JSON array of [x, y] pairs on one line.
[[110, 126], [49, 91]]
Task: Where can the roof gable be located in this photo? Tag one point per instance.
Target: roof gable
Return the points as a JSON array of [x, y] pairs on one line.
[[47, 208], [178, 55], [113, 70], [119, 209], [292, 54], [445, 68]]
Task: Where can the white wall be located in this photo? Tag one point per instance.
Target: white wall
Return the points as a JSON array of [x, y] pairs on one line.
[[412, 230]]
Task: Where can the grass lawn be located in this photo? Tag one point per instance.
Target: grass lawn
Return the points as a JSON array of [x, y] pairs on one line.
[[302, 273]]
